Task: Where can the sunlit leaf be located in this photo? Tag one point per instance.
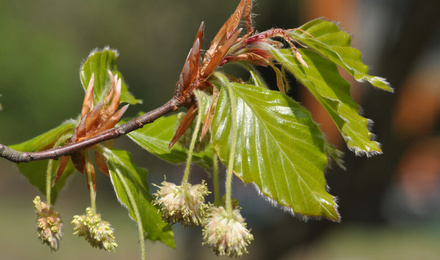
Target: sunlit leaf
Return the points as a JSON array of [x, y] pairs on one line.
[[36, 171], [156, 136], [322, 79], [120, 164], [326, 38], [279, 149], [99, 62]]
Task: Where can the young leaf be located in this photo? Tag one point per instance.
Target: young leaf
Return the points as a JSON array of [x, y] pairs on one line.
[[123, 170], [279, 149], [322, 79], [334, 154], [256, 79], [326, 38], [155, 138], [98, 63], [36, 171]]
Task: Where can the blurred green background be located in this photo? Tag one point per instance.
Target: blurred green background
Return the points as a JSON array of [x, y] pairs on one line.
[[390, 204]]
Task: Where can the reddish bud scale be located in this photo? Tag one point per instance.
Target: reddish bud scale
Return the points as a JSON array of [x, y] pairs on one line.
[[94, 120], [195, 75]]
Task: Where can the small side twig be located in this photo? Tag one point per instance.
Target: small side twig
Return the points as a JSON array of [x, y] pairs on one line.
[[54, 153]]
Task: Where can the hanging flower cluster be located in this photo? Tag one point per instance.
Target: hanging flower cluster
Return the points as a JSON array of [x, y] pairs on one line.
[[225, 233], [97, 232], [49, 224], [183, 204]]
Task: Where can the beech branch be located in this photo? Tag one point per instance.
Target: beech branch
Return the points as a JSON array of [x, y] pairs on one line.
[[54, 153]]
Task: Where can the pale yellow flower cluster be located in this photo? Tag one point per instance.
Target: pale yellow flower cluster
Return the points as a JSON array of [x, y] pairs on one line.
[[49, 224], [226, 233], [183, 204], [97, 232]]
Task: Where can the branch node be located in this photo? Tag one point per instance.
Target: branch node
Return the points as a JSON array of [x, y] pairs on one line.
[[56, 152]]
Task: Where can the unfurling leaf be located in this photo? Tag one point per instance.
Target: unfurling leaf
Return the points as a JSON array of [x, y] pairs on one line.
[[322, 79], [279, 149], [326, 38], [99, 63]]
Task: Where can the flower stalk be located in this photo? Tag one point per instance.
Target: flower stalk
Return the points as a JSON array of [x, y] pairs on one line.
[[215, 180], [49, 182], [191, 147], [92, 191], [233, 145]]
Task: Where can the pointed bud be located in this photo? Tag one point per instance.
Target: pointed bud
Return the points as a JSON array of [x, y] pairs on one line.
[[116, 94], [185, 139], [88, 99]]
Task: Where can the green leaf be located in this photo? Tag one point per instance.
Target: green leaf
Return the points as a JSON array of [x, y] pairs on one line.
[[326, 38], [36, 171], [99, 62], [335, 154], [48, 139], [256, 79], [156, 137], [322, 79], [279, 149], [120, 164]]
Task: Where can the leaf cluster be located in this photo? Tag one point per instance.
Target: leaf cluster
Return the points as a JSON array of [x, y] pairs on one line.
[[279, 148]]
